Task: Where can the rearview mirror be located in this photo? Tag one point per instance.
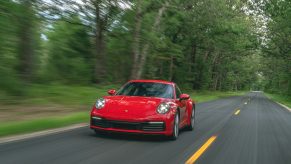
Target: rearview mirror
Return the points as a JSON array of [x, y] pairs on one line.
[[111, 92], [184, 96]]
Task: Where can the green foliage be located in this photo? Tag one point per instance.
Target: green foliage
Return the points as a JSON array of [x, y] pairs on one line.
[[277, 50], [9, 27], [119, 55], [69, 57]]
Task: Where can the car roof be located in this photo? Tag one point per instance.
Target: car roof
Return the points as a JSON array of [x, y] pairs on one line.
[[153, 81]]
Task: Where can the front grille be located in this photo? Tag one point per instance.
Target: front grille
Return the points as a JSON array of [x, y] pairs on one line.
[[144, 126], [124, 125]]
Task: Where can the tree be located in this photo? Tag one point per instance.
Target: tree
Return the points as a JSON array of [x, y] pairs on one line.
[[26, 34], [140, 53], [276, 47], [69, 55], [98, 16]]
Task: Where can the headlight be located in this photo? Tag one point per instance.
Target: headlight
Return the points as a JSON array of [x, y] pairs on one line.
[[100, 103], [163, 108]]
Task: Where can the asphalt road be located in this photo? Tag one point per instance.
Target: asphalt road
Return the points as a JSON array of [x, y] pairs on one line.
[[256, 132]]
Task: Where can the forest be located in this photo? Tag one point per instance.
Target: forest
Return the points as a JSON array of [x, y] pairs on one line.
[[216, 45]]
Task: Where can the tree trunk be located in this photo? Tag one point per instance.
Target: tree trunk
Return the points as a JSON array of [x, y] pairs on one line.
[[215, 82], [100, 64], [136, 40], [215, 62], [26, 35], [221, 80], [195, 83], [141, 59], [206, 56], [171, 68], [192, 58], [161, 69], [193, 54]]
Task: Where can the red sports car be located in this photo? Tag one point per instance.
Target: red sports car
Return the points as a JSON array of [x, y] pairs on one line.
[[146, 107]]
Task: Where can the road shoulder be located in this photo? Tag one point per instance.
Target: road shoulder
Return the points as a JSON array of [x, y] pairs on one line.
[[41, 133], [284, 106]]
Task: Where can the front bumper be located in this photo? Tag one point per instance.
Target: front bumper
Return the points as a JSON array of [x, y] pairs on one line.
[[159, 126]]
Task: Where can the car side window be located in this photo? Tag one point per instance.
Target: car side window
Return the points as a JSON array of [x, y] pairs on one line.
[[178, 91]]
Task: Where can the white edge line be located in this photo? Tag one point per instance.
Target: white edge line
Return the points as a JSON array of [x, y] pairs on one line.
[[284, 106], [40, 133]]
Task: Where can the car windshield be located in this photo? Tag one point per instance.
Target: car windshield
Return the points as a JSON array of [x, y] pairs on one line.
[[147, 89]]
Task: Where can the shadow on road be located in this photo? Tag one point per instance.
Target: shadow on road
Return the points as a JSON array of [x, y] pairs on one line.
[[131, 136]]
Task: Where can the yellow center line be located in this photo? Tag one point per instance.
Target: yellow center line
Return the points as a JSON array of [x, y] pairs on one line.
[[237, 112], [202, 149]]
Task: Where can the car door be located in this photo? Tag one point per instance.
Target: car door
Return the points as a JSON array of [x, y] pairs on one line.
[[182, 106]]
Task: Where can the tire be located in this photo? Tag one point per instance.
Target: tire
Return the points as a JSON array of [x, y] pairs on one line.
[[175, 133], [192, 120]]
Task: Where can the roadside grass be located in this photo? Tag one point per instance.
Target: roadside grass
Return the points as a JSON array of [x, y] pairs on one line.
[[202, 96], [286, 100], [58, 94], [12, 128], [69, 96]]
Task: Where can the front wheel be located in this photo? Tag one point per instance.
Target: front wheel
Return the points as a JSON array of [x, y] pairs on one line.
[[192, 119], [175, 133]]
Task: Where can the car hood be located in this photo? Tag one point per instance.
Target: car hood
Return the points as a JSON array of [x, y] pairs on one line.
[[132, 106]]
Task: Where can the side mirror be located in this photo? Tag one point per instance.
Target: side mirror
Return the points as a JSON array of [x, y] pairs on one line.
[[111, 92], [184, 96]]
